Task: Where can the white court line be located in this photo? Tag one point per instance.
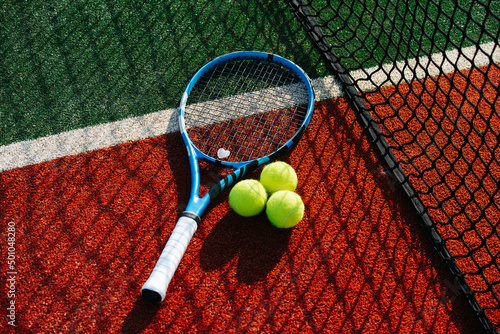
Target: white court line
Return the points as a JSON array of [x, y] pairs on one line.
[[96, 137], [436, 64]]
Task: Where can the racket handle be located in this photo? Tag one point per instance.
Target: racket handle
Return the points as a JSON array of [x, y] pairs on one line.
[[155, 288]]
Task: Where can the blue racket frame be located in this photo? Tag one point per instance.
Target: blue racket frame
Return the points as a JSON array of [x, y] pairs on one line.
[[197, 205], [154, 289]]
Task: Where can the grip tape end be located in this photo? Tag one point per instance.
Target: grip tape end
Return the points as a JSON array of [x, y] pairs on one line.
[[193, 216], [151, 296]]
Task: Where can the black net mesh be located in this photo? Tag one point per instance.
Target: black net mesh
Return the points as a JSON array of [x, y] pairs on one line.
[[424, 79]]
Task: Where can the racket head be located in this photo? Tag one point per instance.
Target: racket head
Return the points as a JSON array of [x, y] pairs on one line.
[[245, 106]]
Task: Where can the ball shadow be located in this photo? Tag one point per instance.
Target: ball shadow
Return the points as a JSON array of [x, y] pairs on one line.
[[258, 245]]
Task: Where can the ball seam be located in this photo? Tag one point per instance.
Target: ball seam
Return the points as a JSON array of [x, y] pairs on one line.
[[284, 222]]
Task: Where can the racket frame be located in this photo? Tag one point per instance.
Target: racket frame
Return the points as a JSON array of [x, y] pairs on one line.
[[197, 205]]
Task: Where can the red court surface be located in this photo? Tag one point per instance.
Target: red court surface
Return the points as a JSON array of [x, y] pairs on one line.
[[90, 227], [448, 128]]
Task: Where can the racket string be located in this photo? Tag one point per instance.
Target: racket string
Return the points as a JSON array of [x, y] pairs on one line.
[[221, 138], [245, 107]]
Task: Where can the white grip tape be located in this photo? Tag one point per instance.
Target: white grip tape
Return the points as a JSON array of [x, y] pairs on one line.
[[172, 254]]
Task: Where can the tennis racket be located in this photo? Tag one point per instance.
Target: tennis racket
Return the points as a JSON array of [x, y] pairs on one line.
[[240, 111]]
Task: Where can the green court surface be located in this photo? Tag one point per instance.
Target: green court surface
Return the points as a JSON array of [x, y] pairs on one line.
[[393, 30], [71, 64]]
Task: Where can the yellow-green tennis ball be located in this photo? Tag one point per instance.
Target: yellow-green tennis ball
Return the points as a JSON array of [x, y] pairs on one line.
[[278, 176], [248, 198], [285, 209]]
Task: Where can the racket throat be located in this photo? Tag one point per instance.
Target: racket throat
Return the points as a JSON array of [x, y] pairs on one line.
[[235, 177], [195, 208]]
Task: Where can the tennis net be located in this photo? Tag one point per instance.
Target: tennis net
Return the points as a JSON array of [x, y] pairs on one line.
[[423, 77]]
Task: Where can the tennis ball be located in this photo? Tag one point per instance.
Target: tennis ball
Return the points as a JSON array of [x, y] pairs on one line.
[[248, 198], [285, 209], [278, 176]]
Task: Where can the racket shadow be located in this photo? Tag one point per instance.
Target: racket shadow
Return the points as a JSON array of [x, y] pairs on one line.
[[258, 246], [140, 317]]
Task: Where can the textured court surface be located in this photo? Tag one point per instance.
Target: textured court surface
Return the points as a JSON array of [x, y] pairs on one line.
[[89, 227]]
